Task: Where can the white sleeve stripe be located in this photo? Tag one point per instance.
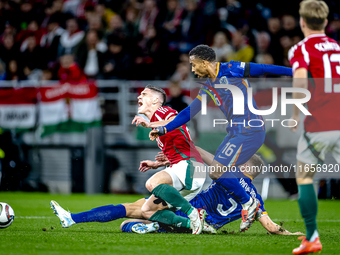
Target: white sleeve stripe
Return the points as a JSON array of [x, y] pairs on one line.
[[167, 117], [305, 54], [295, 65], [159, 118]]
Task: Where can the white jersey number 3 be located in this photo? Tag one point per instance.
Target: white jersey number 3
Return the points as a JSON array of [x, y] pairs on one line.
[[230, 210]]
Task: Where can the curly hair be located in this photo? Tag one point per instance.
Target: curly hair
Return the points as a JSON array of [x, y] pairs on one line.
[[159, 90], [203, 52]]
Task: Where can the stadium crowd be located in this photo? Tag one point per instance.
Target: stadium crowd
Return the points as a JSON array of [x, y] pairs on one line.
[[75, 40]]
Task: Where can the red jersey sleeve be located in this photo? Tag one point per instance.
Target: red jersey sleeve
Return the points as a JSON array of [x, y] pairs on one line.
[[297, 57]]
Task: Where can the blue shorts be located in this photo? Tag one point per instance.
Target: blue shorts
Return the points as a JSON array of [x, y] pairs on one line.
[[238, 149]]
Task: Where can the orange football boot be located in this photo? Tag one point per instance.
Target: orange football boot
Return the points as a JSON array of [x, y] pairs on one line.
[[308, 247]]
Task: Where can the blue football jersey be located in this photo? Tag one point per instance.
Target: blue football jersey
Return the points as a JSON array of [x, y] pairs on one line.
[[221, 207], [232, 74]]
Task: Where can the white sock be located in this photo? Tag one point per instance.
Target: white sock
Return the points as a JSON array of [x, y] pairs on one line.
[[246, 205], [314, 236], [193, 215]]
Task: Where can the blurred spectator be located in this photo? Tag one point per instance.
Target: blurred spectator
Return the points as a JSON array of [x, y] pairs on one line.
[[54, 9], [147, 59], [105, 13], [132, 23], [89, 58], [32, 29], [182, 73], [69, 71], [221, 47], [71, 38], [275, 32], [8, 50], [229, 14], [13, 72], [117, 60], [47, 75], [191, 27], [95, 22], [176, 101], [32, 58], [2, 70], [264, 58], [242, 51], [334, 27], [148, 15], [9, 30], [168, 21], [50, 41], [262, 42], [289, 26], [116, 27]]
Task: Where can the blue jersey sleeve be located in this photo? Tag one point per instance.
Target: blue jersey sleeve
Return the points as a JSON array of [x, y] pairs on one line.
[[236, 69], [185, 115], [254, 69]]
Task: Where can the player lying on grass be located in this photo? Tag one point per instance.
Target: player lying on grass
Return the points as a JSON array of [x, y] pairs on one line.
[[221, 207], [178, 183], [242, 141]]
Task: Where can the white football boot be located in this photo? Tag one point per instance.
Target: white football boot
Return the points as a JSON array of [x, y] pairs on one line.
[[197, 217], [141, 228], [64, 216], [208, 229], [248, 215]]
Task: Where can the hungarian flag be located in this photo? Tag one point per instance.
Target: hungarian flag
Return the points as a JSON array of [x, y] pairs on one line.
[[18, 108], [69, 108]]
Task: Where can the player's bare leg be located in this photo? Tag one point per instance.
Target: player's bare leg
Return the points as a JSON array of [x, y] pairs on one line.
[[308, 208], [161, 185], [224, 177]]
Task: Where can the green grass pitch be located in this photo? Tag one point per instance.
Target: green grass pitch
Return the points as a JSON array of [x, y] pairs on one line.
[[33, 213]]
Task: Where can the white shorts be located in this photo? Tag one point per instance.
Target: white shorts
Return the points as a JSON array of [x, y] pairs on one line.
[[313, 147], [187, 177]]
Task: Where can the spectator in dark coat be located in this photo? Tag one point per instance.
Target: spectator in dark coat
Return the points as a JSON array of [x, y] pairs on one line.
[[117, 61], [89, 58]]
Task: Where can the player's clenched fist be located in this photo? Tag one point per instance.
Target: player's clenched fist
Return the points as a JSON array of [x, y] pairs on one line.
[[145, 165], [140, 121]]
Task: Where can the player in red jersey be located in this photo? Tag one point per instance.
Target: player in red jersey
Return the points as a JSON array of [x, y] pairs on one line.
[[317, 57], [180, 182]]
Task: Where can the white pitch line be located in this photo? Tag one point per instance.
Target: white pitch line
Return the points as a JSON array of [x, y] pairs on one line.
[[286, 220], [34, 217], [301, 220]]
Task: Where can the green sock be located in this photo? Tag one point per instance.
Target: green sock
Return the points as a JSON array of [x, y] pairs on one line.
[[173, 197], [308, 207], [170, 218]]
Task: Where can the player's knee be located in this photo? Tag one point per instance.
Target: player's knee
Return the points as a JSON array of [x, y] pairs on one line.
[[150, 185]]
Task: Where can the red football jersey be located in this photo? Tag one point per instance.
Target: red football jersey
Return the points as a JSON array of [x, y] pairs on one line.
[[320, 55], [177, 144]]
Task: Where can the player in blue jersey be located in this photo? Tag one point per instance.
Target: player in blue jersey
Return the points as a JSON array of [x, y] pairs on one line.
[[246, 132]]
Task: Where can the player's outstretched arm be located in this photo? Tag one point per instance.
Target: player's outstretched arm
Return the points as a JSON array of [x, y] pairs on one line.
[[273, 228], [182, 118], [261, 69]]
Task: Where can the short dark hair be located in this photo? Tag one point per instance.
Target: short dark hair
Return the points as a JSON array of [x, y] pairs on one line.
[[203, 52], [159, 90], [256, 165]]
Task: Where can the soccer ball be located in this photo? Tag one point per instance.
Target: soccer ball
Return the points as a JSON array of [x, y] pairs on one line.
[[6, 215]]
